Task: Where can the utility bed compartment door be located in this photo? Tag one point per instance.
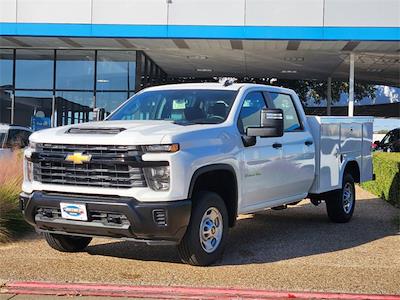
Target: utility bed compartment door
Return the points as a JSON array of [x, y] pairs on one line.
[[329, 159], [350, 139], [339, 140]]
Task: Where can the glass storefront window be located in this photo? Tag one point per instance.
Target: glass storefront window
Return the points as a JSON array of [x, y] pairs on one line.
[[34, 69], [5, 106], [113, 68], [69, 93], [6, 68], [132, 75], [33, 109], [75, 70], [110, 100], [73, 107]]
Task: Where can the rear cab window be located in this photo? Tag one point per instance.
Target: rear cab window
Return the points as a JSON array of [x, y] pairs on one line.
[[285, 102]]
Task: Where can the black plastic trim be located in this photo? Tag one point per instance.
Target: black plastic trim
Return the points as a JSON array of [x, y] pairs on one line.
[[209, 168], [217, 167], [95, 130], [139, 214]]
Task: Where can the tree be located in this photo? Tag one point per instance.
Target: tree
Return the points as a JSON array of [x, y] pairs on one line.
[[317, 90]]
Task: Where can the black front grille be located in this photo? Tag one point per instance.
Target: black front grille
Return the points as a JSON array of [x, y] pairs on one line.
[[109, 166]]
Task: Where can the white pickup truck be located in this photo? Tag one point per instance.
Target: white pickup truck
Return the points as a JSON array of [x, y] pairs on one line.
[[176, 164]]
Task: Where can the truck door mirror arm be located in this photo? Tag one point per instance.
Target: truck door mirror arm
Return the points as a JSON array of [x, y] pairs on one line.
[[249, 141], [271, 124]]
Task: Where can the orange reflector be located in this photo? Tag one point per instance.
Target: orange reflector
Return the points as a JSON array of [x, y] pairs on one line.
[[174, 148]]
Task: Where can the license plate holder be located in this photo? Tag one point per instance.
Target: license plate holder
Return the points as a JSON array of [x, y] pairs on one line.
[[73, 211]]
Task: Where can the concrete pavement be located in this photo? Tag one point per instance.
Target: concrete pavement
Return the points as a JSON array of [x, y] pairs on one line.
[[297, 249]]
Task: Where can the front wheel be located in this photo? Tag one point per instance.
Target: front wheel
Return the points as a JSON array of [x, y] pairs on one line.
[[207, 232], [340, 204], [66, 243]]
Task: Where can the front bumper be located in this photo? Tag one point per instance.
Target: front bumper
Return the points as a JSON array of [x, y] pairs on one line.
[[109, 216]]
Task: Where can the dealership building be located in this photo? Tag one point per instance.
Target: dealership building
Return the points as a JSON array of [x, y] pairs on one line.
[[60, 59]]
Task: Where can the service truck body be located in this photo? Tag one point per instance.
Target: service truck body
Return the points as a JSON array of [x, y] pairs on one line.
[[177, 164]]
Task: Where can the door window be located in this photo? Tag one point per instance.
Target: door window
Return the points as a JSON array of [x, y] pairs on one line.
[[389, 138], [250, 112], [285, 102]]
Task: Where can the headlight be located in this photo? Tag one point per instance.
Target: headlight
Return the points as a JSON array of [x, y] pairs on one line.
[[27, 161], [28, 170], [158, 178], [32, 145], [161, 148]]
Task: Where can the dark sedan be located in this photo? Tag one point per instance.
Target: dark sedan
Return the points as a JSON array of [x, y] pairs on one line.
[[390, 142]]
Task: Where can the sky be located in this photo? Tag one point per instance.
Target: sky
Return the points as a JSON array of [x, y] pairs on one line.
[[385, 124]]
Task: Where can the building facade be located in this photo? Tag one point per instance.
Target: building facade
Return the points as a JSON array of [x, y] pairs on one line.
[[60, 59], [62, 87]]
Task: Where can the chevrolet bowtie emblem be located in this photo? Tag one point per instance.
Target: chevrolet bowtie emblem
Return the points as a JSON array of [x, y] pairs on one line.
[[78, 158]]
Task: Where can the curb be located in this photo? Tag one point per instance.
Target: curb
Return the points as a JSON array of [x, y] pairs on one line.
[[164, 292]]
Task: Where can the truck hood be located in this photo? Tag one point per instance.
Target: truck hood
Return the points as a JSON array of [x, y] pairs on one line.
[[114, 133]]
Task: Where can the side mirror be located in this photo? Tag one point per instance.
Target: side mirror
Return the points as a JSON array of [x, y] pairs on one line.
[[99, 113], [377, 143], [271, 124]]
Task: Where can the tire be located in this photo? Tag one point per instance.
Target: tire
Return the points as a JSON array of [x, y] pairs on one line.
[[340, 205], [66, 243], [194, 248]]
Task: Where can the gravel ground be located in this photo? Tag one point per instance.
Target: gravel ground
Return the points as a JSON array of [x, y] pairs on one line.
[[296, 249]]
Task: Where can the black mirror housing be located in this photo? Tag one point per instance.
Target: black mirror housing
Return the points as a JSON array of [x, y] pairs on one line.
[[271, 124]]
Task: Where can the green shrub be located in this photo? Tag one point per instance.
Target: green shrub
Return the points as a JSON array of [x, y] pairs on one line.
[[11, 221], [387, 183]]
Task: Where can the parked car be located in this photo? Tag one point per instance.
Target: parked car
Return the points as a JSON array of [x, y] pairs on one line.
[[176, 164], [389, 143], [12, 137]]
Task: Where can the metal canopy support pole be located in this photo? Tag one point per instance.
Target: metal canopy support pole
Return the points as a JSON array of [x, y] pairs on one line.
[[329, 96], [12, 117], [351, 85]]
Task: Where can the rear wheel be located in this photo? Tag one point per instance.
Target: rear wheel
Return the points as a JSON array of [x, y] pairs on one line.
[[67, 243], [340, 204], [207, 232]]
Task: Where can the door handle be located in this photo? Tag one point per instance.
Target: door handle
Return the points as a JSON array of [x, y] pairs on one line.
[[308, 143], [277, 145]]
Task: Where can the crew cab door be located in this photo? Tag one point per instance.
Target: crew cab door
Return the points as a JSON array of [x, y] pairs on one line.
[[262, 164], [298, 150]]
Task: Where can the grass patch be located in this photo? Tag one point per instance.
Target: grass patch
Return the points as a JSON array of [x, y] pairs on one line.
[[387, 183], [11, 221]]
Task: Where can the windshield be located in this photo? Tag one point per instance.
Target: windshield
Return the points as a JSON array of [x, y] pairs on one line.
[[2, 138], [181, 106]]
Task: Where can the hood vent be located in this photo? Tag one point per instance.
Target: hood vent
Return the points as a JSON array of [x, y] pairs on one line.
[[94, 130]]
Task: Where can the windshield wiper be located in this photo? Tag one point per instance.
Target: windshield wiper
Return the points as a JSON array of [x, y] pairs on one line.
[[183, 123], [186, 123]]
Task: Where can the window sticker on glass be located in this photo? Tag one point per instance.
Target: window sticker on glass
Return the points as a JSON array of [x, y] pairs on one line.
[[179, 104]]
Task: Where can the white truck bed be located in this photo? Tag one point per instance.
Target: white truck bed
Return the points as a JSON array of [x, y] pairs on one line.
[[337, 140]]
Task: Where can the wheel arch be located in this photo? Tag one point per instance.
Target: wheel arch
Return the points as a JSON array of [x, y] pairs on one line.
[[353, 169], [221, 179]]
